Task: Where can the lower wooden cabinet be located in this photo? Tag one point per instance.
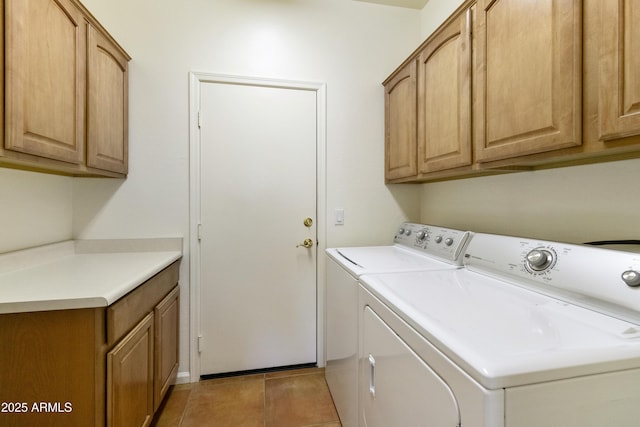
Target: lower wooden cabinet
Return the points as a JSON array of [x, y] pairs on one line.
[[92, 367], [166, 353], [130, 378]]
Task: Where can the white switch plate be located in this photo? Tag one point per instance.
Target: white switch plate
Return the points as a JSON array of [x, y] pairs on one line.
[[339, 216]]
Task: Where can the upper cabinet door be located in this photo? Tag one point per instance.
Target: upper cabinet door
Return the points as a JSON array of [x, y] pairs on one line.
[[444, 98], [400, 107], [107, 105], [619, 71], [45, 42], [529, 77]]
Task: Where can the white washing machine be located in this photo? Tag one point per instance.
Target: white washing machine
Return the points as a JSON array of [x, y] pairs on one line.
[[416, 247], [530, 333]]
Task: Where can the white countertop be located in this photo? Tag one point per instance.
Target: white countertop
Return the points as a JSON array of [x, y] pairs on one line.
[[80, 274]]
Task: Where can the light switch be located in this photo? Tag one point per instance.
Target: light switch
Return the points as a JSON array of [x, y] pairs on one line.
[[339, 216]]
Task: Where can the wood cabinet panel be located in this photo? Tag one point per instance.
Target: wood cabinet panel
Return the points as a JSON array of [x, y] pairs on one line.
[[65, 91], [166, 317], [401, 124], [528, 77], [444, 98], [40, 352], [125, 313], [107, 109], [45, 78], [619, 75], [130, 378]]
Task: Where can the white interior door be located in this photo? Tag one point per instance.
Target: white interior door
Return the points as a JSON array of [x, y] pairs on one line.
[[257, 187]]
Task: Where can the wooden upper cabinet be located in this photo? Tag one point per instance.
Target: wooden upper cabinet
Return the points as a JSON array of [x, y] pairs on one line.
[[66, 91], [107, 109], [45, 78], [400, 101], [528, 78], [444, 98], [619, 69]]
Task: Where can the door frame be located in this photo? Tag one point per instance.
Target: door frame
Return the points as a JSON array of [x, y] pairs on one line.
[[196, 80]]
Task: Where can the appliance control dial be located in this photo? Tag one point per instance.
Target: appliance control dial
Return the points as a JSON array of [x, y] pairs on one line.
[[401, 231], [539, 259], [422, 234], [438, 239], [631, 278], [448, 241]]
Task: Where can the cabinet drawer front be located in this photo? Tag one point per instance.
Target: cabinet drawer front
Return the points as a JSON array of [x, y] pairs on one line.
[[125, 313]]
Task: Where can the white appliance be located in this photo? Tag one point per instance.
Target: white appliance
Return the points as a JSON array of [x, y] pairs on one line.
[[530, 333], [416, 247]]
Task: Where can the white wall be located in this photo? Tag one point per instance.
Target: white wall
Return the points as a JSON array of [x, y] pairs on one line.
[[35, 209], [576, 204], [351, 46]]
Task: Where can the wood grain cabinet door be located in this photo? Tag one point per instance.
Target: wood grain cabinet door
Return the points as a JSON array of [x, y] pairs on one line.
[[619, 69], [45, 45], [130, 378], [107, 105], [528, 77], [400, 102], [444, 98], [166, 315]]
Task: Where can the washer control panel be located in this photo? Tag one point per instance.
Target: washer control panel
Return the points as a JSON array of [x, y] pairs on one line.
[[582, 274], [446, 243]]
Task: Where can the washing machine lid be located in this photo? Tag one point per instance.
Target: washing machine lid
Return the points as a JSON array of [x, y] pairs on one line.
[[503, 335], [383, 259]]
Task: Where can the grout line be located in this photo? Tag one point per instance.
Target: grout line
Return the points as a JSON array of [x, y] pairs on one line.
[[264, 401]]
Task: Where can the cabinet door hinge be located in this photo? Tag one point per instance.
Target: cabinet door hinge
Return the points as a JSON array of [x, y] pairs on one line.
[[199, 232], [199, 120], [199, 343]]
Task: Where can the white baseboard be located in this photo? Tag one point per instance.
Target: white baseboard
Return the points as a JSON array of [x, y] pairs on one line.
[[183, 378]]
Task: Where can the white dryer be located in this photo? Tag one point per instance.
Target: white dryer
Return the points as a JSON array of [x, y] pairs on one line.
[[530, 333], [416, 247]]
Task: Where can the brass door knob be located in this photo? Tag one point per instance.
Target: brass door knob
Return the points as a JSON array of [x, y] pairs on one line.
[[308, 222], [307, 243]]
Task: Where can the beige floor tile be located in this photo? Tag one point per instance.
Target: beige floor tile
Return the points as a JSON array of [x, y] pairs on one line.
[[294, 372], [299, 400], [237, 403], [294, 398], [171, 411]]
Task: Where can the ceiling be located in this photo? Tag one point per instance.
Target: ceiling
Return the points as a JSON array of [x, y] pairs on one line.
[[413, 4]]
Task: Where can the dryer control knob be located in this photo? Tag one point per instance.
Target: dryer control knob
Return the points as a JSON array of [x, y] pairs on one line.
[[448, 241], [631, 278], [438, 239], [421, 235], [539, 259]]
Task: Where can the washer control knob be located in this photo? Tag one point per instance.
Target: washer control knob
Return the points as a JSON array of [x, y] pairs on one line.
[[401, 231], [631, 278], [422, 234], [407, 232], [448, 241], [539, 259], [438, 239]]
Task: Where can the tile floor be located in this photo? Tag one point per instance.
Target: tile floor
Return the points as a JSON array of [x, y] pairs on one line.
[[295, 398]]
